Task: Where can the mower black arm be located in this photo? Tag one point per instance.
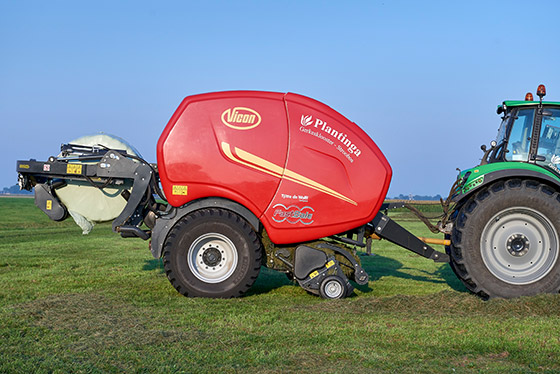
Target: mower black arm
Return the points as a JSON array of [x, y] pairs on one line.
[[115, 165], [112, 167], [386, 228]]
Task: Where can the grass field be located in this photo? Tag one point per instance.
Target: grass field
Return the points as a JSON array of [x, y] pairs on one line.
[[100, 303]]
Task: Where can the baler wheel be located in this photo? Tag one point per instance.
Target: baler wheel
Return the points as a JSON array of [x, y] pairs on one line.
[[333, 287], [506, 238], [212, 253]]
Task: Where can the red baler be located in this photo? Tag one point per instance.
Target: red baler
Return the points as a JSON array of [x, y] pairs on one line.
[[249, 179]]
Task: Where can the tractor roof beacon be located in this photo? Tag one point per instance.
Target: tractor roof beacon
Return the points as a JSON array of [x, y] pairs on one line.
[[505, 233]]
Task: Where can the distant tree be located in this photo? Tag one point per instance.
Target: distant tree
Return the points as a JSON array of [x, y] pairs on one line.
[[14, 190], [417, 197]]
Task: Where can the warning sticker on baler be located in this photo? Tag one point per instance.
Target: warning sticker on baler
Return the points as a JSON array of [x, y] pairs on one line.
[[180, 190]]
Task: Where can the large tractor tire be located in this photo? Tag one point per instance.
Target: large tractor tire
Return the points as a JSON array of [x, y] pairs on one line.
[[505, 240], [212, 253]]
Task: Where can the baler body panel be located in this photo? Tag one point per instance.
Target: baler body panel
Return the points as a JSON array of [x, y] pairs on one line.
[[344, 175], [302, 168], [191, 151]]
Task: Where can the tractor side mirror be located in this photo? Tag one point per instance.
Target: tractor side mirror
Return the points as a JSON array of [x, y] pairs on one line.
[[540, 158]]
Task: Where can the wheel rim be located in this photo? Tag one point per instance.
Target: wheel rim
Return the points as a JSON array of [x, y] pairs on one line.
[[333, 289], [519, 245], [212, 258]]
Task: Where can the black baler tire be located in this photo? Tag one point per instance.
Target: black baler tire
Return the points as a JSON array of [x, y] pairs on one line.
[[477, 213], [216, 222]]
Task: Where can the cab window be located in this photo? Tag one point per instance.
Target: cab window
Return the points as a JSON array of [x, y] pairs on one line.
[[549, 141], [520, 136]]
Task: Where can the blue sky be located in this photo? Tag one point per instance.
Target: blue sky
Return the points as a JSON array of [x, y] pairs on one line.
[[422, 78]]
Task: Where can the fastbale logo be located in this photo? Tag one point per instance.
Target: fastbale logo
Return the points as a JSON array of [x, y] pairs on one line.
[[293, 214], [241, 118], [307, 120]]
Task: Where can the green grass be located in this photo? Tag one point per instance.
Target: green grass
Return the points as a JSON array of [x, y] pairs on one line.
[[100, 303]]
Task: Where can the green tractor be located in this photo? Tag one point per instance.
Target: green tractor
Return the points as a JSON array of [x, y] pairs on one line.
[[505, 227]]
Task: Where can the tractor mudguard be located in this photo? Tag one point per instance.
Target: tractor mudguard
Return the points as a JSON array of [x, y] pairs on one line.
[[483, 175], [165, 223]]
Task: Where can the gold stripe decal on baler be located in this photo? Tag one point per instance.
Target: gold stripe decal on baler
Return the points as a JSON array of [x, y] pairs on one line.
[[255, 162]]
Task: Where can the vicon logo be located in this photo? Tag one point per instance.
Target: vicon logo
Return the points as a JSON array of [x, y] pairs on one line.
[[240, 118]]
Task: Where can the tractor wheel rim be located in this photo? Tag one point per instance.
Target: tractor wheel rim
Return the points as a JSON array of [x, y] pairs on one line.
[[212, 258], [333, 289], [519, 245]]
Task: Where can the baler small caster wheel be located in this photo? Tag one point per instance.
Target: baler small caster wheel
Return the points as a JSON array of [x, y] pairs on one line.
[[333, 287]]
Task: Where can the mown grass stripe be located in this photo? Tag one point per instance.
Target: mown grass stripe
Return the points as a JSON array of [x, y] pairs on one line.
[[100, 303]]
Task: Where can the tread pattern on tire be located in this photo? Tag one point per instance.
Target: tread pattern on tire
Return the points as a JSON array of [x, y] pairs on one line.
[[463, 216], [185, 222]]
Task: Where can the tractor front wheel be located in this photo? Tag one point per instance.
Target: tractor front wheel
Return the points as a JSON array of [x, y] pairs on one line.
[[505, 240]]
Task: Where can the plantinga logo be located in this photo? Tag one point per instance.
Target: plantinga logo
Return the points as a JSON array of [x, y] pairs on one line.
[[241, 118], [307, 120]]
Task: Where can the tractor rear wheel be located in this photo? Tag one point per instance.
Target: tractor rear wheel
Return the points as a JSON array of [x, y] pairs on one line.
[[505, 240], [212, 253]]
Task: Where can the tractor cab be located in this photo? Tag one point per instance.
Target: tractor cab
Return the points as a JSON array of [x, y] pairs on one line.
[[529, 132]]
